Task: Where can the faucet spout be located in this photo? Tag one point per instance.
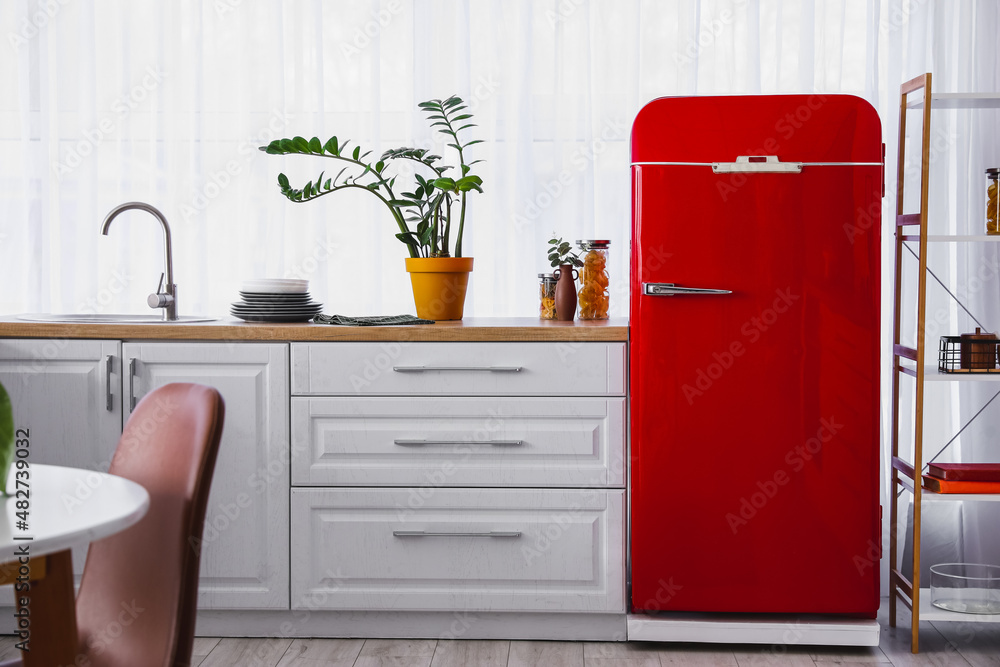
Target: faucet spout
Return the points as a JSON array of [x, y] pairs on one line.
[[167, 299]]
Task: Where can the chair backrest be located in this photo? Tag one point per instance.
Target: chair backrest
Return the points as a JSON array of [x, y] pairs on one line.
[[137, 600]]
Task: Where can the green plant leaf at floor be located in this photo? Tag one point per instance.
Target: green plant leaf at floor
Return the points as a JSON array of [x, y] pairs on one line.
[[6, 438]]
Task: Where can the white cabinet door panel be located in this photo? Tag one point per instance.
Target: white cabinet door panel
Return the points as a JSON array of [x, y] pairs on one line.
[[458, 549], [244, 561], [67, 394], [542, 442], [458, 369]]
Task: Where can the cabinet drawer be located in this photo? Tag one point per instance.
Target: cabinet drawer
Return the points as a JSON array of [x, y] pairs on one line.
[[459, 369], [431, 549], [458, 442]]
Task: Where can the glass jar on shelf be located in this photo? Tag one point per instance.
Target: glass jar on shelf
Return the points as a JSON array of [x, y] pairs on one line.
[[547, 296], [593, 296], [992, 209]]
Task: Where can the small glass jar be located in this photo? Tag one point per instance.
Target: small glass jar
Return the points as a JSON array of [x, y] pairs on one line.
[[547, 296], [593, 296], [992, 209]]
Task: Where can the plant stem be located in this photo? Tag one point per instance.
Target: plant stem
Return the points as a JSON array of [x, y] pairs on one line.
[[461, 229], [447, 228], [397, 216]]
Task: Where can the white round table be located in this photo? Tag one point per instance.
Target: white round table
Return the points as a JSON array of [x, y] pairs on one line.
[[66, 507]]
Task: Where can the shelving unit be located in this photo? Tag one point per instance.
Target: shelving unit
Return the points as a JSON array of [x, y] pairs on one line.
[[912, 228]]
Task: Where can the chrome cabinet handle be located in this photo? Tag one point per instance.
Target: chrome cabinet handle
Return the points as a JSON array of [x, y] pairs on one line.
[[670, 289], [489, 369], [131, 384], [496, 443], [109, 365], [429, 533]]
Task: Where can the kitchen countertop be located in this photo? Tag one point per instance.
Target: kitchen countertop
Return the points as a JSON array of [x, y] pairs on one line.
[[469, 329]]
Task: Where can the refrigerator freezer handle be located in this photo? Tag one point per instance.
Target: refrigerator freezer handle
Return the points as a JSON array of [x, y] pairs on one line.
[[757, 164]]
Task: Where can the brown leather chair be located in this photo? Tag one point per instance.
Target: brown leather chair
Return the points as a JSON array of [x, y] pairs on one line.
[[137, 600]]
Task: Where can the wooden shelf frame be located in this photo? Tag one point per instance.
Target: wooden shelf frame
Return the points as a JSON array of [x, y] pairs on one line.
[[900, 588], [911, 228]]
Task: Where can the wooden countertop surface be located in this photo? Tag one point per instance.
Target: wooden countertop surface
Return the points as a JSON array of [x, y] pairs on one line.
[[469, 329]]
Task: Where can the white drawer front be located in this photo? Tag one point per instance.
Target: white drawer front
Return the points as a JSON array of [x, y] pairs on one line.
[[421, 549], [459, 369], [430, 442]]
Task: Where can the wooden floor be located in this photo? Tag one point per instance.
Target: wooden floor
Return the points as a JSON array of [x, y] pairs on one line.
[[942, 644]]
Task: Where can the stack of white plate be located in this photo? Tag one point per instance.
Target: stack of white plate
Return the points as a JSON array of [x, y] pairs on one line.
[[276, 300]]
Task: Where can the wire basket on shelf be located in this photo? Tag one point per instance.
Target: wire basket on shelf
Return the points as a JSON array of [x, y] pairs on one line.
[[958, 355]]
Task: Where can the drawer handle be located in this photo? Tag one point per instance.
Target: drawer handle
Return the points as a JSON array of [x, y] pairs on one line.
[[488, 369], [495, 443], [428, 533]]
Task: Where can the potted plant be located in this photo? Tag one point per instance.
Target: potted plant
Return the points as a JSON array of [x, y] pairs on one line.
[[424, 215], [566, 260]]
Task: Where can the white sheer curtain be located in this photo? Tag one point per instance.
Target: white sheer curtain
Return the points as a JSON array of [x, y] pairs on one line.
[[954, 41], [105, 101]]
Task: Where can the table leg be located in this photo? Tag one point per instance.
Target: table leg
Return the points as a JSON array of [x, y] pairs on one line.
[[51, 605]]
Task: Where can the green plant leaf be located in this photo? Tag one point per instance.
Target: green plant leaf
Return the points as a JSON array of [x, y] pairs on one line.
[[470, 143], [465, 126], [287, 145], [444, 184], [300, 145], [357, 153], [327, 185], [315, 145], [463, 116], [331, 146], [283, 180], [553, 241], [6, 437]]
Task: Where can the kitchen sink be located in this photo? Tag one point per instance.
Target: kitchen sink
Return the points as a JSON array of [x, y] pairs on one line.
[[111, 318]]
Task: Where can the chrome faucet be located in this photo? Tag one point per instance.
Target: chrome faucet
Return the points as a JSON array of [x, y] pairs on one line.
[[166, 295]]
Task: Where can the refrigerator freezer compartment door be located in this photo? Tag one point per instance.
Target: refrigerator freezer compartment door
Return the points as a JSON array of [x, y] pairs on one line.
[[670, 289]]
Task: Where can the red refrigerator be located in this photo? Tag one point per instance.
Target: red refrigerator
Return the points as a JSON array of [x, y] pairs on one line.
[[755, 355]]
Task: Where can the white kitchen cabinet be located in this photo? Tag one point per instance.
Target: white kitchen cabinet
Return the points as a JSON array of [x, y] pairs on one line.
[[462, 441], [434, 549], [537, 428], [244, 561], [458, 369], [67, 394]]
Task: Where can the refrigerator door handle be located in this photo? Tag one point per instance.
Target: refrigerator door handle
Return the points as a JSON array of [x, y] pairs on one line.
[[757, 164], [670, 289]]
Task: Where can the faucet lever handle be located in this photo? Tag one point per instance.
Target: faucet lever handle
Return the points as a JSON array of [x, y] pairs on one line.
[[160, 299]]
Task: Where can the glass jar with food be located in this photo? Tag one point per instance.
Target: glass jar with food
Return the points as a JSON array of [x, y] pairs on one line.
[[593, 297], [547, 296], [992, 210]]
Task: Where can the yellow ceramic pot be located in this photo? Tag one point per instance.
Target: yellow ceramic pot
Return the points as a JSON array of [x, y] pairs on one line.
[[439, 285]]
